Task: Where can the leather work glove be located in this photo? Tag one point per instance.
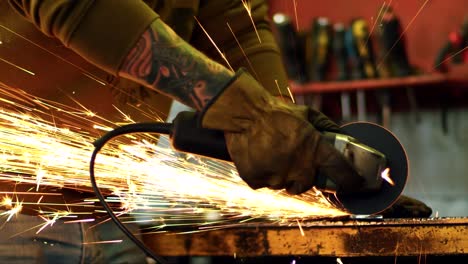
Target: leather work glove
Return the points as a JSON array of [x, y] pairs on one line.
[[273, 143], [407, 207]]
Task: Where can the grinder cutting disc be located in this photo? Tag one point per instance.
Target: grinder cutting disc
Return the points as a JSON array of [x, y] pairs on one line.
[[384, 141]]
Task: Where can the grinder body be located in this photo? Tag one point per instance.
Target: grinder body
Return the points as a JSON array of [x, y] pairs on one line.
[[367, 161]]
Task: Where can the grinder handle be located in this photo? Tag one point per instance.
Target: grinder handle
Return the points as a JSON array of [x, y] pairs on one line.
[[188, 136]]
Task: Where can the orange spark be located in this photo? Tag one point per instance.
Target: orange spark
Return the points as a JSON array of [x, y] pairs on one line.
[[377, 20], [291, 95], [14, 209], [30, 193], [242, 50], [386, 176], [80, 221], [451, 56], [402, 33], [51, 221], [16, 66], [295, 14], [92, 77], [39, 175], [7, 202], [248, 7], [279, 90], [40, 199], [214, 44], [300, 227], [103, 242]]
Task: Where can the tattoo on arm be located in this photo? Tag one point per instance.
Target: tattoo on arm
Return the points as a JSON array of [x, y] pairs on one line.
[[165, 62]]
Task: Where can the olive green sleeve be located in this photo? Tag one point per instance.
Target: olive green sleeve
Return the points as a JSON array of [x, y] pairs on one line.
[[262, 59], [101, 31]]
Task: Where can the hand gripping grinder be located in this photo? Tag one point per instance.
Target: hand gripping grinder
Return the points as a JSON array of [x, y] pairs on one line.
[[375, 153]]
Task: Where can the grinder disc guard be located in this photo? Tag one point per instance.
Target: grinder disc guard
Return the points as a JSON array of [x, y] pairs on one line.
[[384, 141]]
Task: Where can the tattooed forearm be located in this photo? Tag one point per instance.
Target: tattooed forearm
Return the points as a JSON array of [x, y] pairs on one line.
[[165, 62]]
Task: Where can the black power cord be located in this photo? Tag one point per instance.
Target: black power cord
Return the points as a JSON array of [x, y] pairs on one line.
[[160, 128]]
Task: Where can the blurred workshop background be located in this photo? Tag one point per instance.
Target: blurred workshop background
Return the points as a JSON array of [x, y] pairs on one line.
[[398, 63], [428, 114], [429, 117]]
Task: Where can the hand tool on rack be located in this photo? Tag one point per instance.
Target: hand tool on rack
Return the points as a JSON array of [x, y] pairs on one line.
[[341, 58], [457, 48], [394, 62], [292, 49], [319, 50], [361, 56]]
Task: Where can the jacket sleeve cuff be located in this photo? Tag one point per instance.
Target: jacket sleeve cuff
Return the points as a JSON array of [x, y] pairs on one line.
[[108, 31], [264, 60]]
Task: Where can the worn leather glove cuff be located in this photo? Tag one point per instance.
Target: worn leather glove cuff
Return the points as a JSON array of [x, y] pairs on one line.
[[203, 113], [233, 109], [244, 99]]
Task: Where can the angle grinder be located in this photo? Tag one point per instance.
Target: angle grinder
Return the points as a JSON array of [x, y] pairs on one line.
[[380, 159], [375, 153]]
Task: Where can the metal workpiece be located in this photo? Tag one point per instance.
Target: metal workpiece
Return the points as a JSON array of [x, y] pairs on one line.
[[390, 237]]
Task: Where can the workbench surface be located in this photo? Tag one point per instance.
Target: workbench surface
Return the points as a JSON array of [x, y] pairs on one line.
[[349, 238]]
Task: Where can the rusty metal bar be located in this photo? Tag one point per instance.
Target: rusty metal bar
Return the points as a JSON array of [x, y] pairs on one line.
[[413, 237]]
